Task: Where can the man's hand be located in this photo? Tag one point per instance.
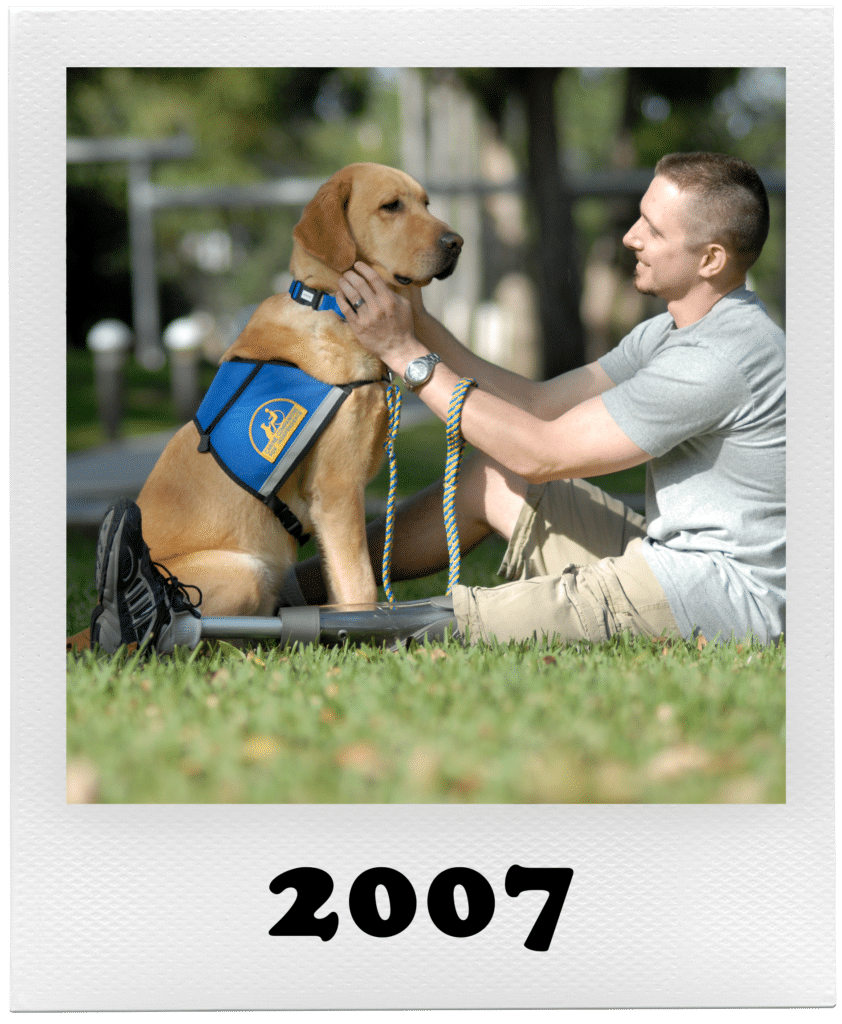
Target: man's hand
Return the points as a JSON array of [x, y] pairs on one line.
[[380, 319]]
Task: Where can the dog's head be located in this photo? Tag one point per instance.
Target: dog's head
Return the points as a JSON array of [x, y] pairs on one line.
[[378, 215]]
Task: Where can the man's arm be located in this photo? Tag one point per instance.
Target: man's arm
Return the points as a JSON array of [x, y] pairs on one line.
[[544, 399], [580, 440]]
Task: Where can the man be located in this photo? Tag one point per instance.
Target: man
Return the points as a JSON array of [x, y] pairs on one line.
[[697, 393]]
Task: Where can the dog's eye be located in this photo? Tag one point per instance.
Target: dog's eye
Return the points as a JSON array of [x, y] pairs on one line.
[[392, 207]]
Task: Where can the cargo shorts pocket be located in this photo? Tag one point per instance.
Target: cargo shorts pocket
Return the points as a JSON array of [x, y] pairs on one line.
[[590, 596], [619, 594], [585, 602], [564, 607]]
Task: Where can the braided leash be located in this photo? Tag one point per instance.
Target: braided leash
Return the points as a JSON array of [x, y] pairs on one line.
[[393, 404], [455, 446]]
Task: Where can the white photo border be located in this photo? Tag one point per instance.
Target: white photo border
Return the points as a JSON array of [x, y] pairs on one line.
[[168, 907]]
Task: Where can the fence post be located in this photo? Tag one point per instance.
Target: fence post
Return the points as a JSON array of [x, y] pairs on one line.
[[148, 351]]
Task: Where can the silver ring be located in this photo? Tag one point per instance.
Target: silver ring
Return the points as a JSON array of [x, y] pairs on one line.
[[357, 304]]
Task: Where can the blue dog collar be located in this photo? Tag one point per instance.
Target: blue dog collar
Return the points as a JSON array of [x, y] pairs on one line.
[[320, 300]]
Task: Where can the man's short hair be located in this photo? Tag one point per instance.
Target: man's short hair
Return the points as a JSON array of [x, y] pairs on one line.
[[732, 207]]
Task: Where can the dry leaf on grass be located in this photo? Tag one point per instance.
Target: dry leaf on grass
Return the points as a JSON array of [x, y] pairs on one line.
[[433, 653], [664, 713], [746, 790], [260, 748], [423, 765], [615, 783], [82, 781], [466, 785], [191, 767], [361, 758], [673, 762]]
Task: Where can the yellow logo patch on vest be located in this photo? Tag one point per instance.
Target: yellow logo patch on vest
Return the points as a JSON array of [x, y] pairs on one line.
[[272, 425]]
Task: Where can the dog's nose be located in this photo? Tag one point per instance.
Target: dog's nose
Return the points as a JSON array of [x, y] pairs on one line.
[[451, 242]]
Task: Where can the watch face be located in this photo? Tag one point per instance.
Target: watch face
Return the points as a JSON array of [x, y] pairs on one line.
[[417, 371]]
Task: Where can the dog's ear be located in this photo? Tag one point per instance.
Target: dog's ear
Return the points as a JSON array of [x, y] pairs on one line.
[[323, 229]]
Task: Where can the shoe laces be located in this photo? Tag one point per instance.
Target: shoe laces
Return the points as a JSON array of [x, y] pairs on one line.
[[176, 594]]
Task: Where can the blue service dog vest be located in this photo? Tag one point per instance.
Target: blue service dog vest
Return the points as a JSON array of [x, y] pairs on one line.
[[259, 420]]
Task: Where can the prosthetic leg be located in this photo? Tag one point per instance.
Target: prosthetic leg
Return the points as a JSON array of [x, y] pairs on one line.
[[140, 602], [388, 625]]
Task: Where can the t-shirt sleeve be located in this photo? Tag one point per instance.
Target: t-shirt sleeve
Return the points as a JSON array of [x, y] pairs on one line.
[[625, 360], [682, 392]]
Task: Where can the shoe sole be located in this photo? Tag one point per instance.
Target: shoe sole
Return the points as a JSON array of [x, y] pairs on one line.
[[110, 553], [105, 541]]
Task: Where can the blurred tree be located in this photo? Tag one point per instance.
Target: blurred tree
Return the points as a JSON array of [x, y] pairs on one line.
[[666, 110], [255, 123], [249, 124], [589, 119], [556, 260]]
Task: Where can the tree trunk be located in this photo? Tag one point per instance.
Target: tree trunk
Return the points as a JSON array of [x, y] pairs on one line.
[[557, 259]]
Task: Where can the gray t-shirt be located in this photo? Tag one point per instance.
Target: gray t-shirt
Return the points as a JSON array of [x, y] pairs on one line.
[[708, 402]]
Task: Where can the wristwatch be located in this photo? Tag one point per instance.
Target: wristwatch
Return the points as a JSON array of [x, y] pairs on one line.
[[420, 370]]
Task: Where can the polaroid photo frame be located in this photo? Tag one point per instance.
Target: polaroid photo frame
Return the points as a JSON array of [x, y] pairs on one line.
[[169, 907]]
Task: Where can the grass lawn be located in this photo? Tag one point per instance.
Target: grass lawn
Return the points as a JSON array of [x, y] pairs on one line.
[[629, 721]]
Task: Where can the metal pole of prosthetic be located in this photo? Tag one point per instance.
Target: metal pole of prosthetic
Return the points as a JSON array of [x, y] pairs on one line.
[[381, 623]]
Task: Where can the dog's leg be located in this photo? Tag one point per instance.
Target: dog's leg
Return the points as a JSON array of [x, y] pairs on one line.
[[339, 520], [231, 582], [335, 490]]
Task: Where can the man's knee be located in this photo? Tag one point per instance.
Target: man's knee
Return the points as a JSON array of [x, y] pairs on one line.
[[495, 492]]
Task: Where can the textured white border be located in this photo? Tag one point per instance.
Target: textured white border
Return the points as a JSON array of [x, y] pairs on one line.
[[136, 907]]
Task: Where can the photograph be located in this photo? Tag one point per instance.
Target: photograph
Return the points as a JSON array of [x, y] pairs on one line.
[[583, 594]]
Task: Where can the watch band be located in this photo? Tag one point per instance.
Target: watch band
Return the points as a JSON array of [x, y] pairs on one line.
[[419, 366]]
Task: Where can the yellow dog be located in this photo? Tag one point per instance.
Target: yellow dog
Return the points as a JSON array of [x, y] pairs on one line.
[[201, 525]]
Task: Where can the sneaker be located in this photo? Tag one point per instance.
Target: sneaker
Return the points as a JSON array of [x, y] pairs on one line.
[[138, 602]]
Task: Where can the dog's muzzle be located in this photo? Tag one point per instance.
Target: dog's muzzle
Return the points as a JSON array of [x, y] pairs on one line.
[[452, 244]]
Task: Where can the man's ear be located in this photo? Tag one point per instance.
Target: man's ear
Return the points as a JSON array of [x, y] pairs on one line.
[[323, 229], [715, 258]]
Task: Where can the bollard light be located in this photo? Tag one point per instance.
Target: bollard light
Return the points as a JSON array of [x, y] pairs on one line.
[[184, 339], [109, 340]]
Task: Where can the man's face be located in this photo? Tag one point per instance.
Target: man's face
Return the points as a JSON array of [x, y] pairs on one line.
[[666, 265]]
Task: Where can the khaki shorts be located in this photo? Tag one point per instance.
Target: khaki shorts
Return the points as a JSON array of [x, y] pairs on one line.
[[577, 572]]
